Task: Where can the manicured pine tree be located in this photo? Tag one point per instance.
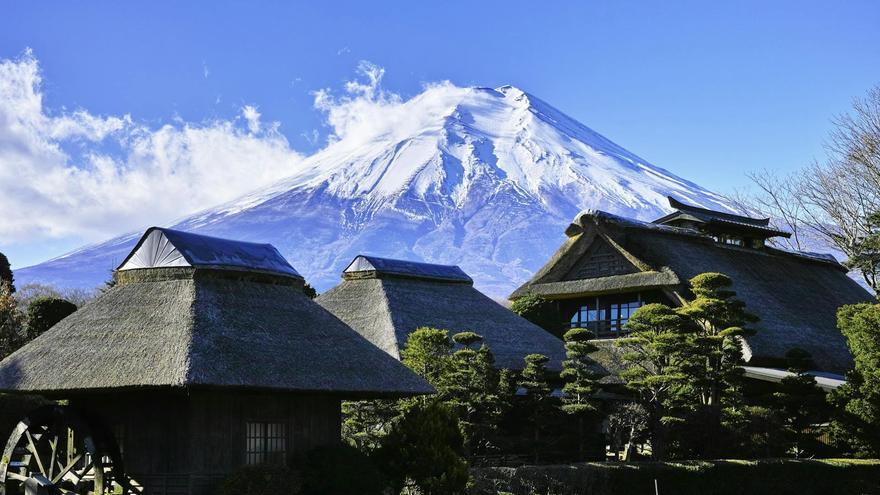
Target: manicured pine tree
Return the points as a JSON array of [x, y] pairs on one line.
[[660, 353], [856, 421], [721, 322], [538, 400], [366, 422], [800, 404], [428, 353], [472, 391], [6, 272], [581, 384]]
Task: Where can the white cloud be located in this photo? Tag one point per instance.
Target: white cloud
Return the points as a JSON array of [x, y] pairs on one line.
[[252, 116], [58, 179], [368, 112]]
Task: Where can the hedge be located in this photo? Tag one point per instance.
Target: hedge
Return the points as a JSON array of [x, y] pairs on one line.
[[771, 477]]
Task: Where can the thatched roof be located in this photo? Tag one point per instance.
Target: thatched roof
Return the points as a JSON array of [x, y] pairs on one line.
[[796, 295], [385, 306], [192, 327]]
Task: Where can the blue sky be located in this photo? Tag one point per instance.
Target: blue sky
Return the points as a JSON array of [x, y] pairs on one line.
[[705, 90]]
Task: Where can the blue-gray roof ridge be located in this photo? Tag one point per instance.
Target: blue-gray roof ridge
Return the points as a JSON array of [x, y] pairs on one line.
[[215, 252], [365, 263]]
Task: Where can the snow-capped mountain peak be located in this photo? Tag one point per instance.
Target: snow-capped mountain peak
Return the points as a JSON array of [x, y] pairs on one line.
[[480, 177]]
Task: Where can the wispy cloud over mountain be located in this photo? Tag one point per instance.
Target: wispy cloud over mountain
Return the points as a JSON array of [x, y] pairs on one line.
[[74, 173]]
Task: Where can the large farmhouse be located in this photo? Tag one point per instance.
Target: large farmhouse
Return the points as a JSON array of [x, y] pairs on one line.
[[386, 299], [205, 356], [609, 266]]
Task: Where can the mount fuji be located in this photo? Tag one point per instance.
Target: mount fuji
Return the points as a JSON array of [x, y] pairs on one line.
[[484, 178]]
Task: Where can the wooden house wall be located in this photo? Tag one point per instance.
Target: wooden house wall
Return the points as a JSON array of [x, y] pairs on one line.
[[176, 444]]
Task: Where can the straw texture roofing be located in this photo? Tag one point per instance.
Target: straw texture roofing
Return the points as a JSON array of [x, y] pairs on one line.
[[795, 295], [386, 308], [188, 327]]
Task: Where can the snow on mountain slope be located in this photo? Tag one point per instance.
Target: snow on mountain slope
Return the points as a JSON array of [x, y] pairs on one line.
[[483, 178]]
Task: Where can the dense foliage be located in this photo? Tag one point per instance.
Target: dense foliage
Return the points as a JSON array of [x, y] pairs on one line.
[[660, 354], [423, 452], [340, 470], [857, 403], [800, 405], [261, 480], [44, 312], [11, 322], [579, 392], [6, 272], [768, 477], [539, 311]]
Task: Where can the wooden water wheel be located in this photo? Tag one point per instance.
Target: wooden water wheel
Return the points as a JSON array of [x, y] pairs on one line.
[[57, 450]]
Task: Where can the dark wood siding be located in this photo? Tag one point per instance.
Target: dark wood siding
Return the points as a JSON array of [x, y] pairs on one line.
[[176, 443], [600, 260]]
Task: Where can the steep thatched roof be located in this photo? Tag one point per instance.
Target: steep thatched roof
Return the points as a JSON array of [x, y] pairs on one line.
[[385, 306], [796, 295], [190, 327]]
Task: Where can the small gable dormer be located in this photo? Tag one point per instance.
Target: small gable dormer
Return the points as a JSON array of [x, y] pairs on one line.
[[725, 228]]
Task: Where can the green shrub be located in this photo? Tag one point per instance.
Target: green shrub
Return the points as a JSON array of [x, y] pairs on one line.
[[766, 477], [340, 470], [44, 312], [261, 480], [424, 451]]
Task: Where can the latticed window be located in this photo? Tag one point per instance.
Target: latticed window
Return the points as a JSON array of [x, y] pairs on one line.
[[605, 319], [266, 443]]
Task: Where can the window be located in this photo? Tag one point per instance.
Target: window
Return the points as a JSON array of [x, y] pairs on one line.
[[266, 443], [605, 319], [727, 239]]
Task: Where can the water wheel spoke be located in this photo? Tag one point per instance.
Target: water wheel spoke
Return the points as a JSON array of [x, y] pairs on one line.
[[54, 444], [33, 449], [16, 476], [66, 469]]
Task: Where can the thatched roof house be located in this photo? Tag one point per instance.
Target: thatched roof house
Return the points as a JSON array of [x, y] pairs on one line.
[[206, 355], [386, 299], [194, 311], [610, 265]]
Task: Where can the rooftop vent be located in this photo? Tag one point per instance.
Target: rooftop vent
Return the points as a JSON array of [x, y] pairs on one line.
[[163, 248], [371, 266]]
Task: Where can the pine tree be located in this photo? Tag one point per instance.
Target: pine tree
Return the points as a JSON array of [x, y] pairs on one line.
[[472, 391], [366, 422], [660, 354], [856, 419], [424, 452], [428, 353], [721, 320], [6, 272], [538, 400], [800, 404], [581, 383]]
